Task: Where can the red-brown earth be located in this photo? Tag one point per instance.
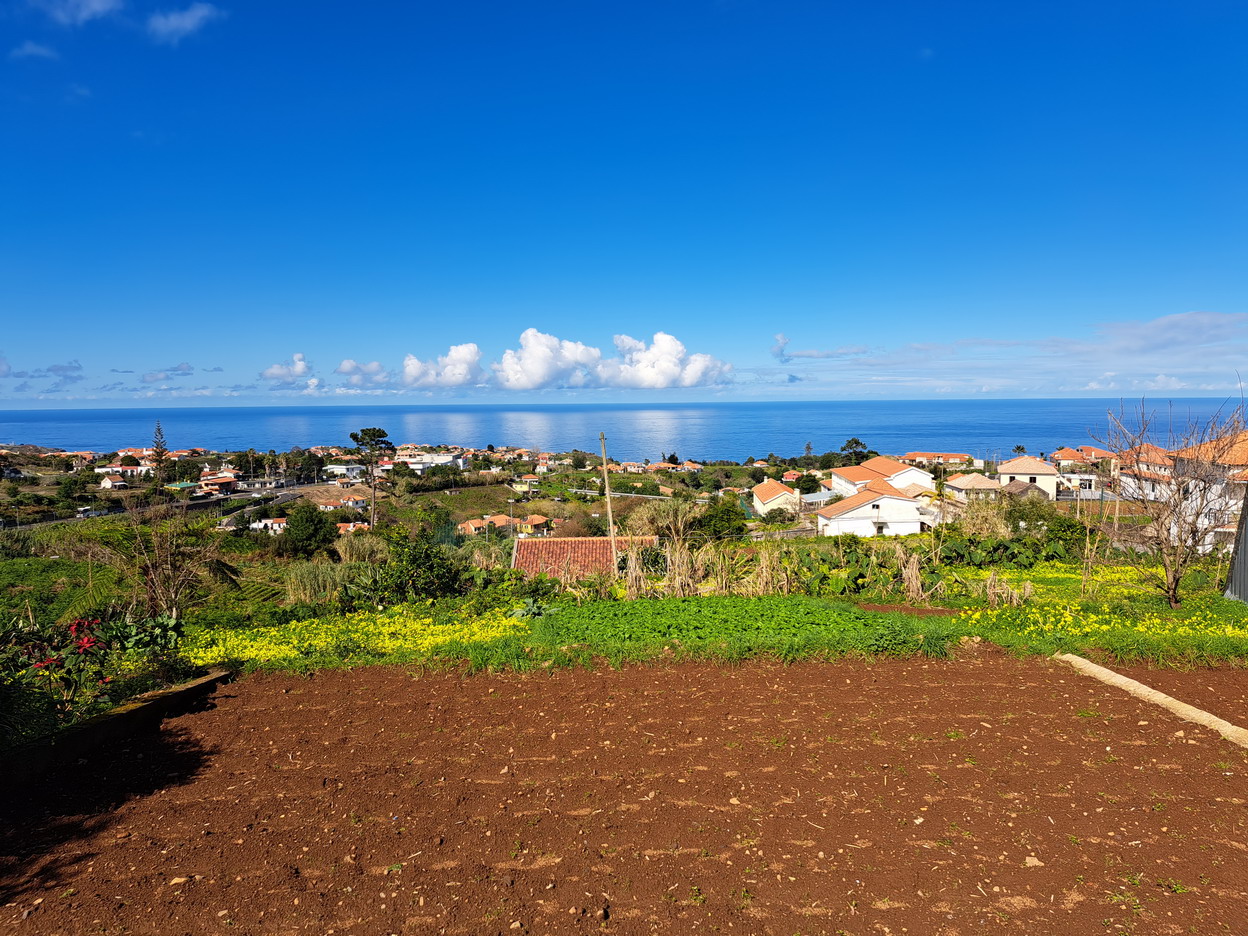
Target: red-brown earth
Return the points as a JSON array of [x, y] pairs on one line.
[[982, 795]]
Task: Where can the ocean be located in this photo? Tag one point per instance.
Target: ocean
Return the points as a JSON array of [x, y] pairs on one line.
[[702, 431]]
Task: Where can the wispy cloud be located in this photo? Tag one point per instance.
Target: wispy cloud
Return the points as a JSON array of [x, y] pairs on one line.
[[33, 50], [77, 12], [62, 375], [172, 27], [780, 351], [1190, 351]]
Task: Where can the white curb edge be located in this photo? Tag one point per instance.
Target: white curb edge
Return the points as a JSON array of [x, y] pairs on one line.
[[1232, 733]]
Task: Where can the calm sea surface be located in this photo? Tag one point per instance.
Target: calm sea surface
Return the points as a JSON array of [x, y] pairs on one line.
[[710, 431]]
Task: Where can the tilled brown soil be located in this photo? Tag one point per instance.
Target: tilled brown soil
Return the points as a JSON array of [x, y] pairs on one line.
[[1222, 691], [985, 795]]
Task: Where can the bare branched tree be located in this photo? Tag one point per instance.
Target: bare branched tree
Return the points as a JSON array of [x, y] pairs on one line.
[[1182, 483], [163, 564]]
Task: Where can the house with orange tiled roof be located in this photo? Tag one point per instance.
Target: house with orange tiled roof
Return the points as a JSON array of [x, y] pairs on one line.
[[1066, 457], [897, 474], [775, 495], [1145, 472], [357, 526], [848, 480], [525, 483], [532, 525], [271, 525], [877, 510], [935, 458], [967, 487], [1029, 470]]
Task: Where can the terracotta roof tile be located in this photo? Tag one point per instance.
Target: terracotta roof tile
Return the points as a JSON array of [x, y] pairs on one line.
[[885, 466], [858, 473], [1027, 465], [570, 557], [977, 482], [770, 489], [873, 492]]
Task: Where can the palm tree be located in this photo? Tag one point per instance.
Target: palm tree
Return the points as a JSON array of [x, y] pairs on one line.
[[939, 499]]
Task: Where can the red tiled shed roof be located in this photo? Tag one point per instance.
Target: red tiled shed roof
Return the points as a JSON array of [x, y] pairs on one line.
[[571, 557]]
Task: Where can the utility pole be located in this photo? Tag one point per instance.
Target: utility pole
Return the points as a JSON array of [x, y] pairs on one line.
[[606, 492]]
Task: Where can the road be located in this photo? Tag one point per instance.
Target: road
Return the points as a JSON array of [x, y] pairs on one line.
[[286, 495]]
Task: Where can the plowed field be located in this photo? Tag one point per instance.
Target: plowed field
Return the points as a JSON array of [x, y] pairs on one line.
[[982, 795]]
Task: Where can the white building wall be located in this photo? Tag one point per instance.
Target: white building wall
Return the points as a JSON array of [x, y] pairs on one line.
[[899, 517], [913, 475], [842, 486], [791, 502], [1045, 482]]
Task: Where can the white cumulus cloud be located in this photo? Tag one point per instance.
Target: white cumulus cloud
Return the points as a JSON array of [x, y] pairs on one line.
[[661, 364], [546, 361], [172, 27], [297, 369], [358, 374], [460, 366], [1164, 382]]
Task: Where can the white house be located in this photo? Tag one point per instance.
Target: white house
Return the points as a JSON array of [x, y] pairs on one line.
[[936, 458], [112, 482], [851, 479], [126, 471], [967, 487], [775, 495], [1030, 471], [879, 510], [346, 471], [1144, 472], [273, 525], [897, 474]]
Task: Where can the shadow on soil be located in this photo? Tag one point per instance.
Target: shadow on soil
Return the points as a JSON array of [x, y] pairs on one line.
[[41, 821]]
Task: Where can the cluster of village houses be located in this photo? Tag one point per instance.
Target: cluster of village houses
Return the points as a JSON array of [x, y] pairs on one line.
[[880, 497], [893, 497]]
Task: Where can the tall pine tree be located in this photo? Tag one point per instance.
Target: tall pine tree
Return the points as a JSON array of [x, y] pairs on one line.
[[160, 455]]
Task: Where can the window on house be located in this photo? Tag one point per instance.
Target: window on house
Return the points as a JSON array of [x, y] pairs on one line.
[[1031, 480]]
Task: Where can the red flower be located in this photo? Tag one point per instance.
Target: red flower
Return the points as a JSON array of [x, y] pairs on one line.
[[86, 643], [49, 662]]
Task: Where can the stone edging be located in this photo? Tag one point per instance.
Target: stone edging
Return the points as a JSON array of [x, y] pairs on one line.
[[35, 759], [1230, 732]]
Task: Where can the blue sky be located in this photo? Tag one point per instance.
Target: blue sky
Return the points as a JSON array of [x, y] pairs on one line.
[[606, 201]]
